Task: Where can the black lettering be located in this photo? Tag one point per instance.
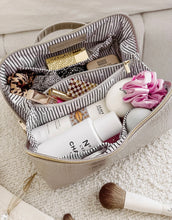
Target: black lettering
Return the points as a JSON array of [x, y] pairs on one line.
[[100, 110], [73, 147], [102, 62], [86, 143]]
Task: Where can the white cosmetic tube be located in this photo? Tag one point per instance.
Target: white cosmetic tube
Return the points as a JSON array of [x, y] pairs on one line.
[[60, 125], [82, 136]]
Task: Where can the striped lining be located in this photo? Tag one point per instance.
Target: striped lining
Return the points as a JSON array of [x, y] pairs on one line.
[[110, 35], [104, 77], [47, 113], [104, 148], [103, 32]]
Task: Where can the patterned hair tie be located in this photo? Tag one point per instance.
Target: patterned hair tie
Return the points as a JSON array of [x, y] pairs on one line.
[[65, 72], [20, 83], [77, 88]]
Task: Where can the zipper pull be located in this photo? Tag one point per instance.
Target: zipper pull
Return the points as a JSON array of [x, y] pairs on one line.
[[23, 125], [126, 65]]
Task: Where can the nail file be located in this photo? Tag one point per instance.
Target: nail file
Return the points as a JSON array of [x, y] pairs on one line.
[[104, 61], [67, 59]]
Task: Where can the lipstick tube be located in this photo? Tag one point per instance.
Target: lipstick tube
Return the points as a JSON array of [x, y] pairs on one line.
[[58, 94]]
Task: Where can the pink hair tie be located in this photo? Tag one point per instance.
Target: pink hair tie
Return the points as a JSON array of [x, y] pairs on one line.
[[144, 90]]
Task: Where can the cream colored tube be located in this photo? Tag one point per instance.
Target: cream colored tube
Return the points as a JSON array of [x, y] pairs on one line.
[[56, 127], [141, 203], [82, 136]]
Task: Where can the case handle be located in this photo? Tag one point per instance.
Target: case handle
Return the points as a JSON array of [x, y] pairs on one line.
[[56, 27]]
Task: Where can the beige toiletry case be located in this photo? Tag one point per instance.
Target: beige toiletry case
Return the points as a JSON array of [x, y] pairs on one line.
[[109, 35]]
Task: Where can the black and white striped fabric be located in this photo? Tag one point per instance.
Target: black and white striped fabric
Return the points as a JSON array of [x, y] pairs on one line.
[[110, 35], [104, 148]]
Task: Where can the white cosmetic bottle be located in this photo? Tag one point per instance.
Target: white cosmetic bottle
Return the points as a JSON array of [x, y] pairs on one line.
[[82, 136], [56, 127]]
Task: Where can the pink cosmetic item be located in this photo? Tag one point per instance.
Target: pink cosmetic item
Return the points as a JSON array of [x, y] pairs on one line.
[[144, 90], [59, 100]]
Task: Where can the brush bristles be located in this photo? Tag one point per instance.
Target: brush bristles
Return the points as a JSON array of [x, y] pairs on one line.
[[112, 196], [67, 217]]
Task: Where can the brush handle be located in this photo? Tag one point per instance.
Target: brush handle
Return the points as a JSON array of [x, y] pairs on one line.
[[141, 203]]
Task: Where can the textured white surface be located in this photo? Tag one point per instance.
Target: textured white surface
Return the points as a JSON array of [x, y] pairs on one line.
[[147, 172], [22, 211]]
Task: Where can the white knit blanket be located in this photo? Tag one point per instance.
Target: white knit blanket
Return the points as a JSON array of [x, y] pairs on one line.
[[148, 172]]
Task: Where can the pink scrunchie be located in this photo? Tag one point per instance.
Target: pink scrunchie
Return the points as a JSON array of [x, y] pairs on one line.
[[144, 90]]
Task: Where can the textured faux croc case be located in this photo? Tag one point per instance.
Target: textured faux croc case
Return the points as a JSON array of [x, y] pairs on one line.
[[110, 35]]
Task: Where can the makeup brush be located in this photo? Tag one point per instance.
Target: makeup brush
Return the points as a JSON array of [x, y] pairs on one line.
[[112, 196], [67, 217]]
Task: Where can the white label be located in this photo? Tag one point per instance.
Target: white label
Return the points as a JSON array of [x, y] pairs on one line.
[[79, 138], [51, 129], [97, 109], [56, 127]]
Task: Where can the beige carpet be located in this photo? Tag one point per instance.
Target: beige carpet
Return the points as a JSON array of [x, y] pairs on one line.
[[147, 172]]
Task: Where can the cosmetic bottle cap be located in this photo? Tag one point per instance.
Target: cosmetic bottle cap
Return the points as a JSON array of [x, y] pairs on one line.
[[107, 126]]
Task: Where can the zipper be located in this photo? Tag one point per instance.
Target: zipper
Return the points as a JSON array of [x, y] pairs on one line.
[[125, 64], [163, 102], [93, 21], [75, 30], [127, 70], [22, 125]]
